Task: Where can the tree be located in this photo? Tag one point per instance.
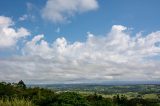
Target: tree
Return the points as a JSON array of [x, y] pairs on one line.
[[21, 84]]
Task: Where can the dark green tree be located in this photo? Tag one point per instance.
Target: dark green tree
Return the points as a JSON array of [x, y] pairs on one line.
[[21, 84]]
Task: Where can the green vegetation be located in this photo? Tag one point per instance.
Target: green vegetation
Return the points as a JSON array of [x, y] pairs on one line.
[[106, 89], [17, 94], [15, 102]]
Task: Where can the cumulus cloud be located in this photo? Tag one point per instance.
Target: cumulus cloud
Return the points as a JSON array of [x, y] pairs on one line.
[[9, 35], [59, 11], [115, 56]]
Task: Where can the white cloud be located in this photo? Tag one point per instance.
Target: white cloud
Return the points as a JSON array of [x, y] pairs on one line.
[[23, 17], [115, 56], [8, 35], [30, 6], [5, 21], [58, 30], [37, 46], [59, 11], [31, 13], [28, 16]]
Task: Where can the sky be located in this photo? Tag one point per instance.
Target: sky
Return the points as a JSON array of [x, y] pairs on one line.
[[79, 41]]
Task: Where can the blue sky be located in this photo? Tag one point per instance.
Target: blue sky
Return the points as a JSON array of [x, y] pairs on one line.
[[101, 34], [140, 15]]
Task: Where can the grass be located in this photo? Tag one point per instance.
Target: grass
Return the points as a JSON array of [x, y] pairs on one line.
[[15, 102], [150, 96]]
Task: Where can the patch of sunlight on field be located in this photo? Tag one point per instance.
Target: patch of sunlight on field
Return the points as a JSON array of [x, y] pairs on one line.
[[129, 95], [85, 93], [150, 96]]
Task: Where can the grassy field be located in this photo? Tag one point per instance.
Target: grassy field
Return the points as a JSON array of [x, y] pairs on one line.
[[15, 102], [150, 96], [109, 91], [129, 95]]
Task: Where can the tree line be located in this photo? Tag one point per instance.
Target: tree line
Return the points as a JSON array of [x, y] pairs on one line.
[[45, 97]]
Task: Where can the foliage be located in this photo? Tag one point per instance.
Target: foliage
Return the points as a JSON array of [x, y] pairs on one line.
[[17, 94], [15, 102], [21, 84]]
